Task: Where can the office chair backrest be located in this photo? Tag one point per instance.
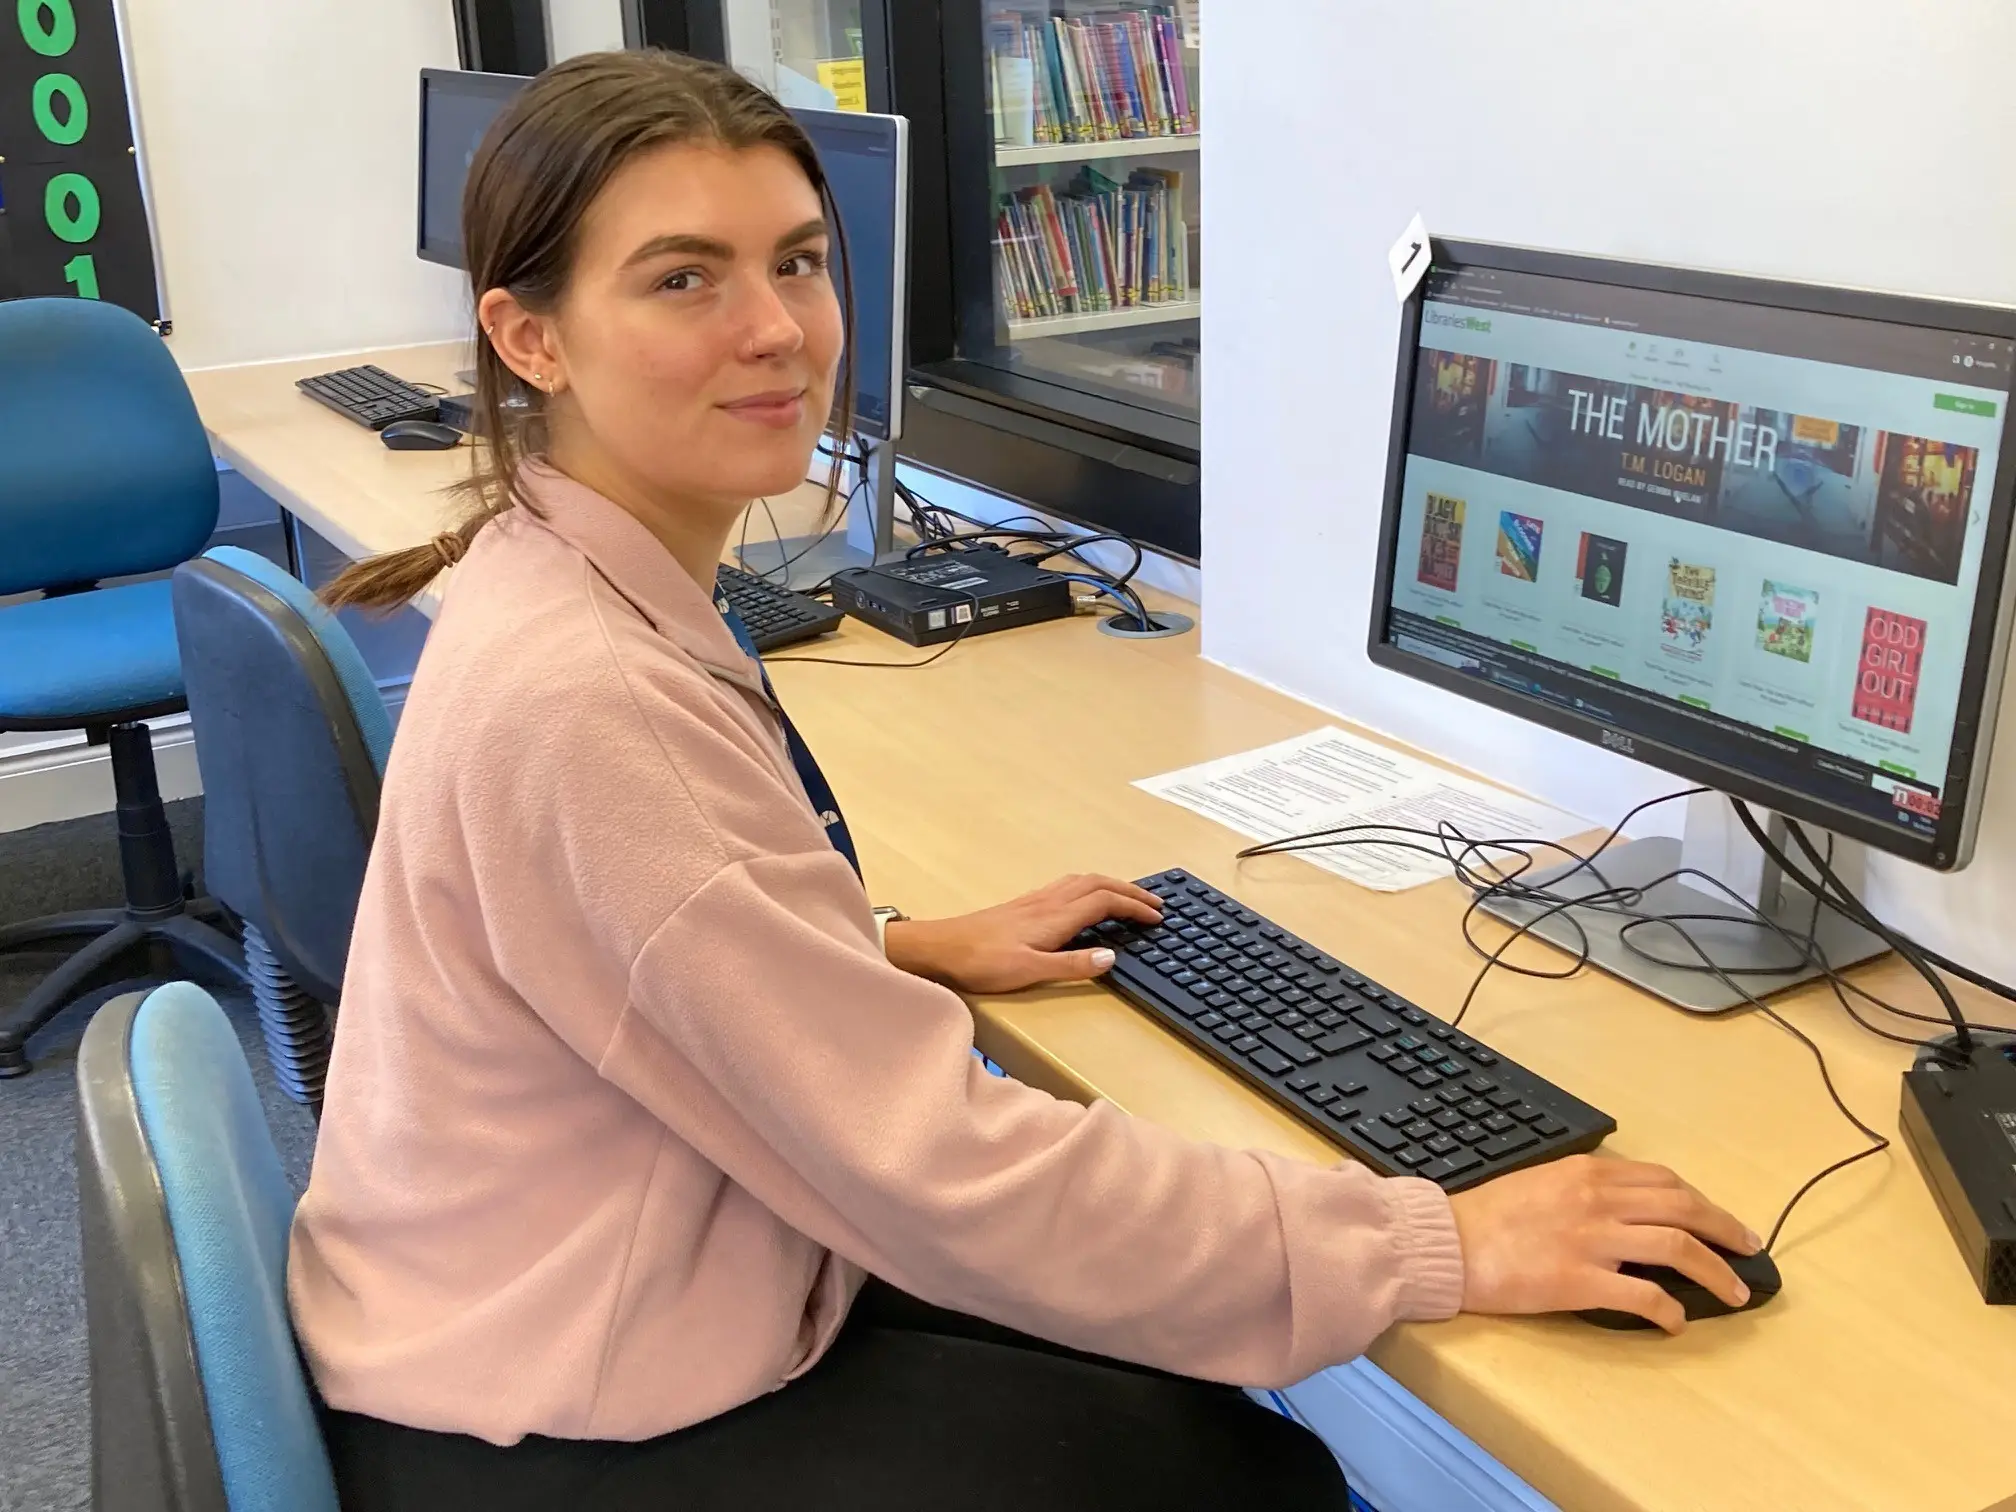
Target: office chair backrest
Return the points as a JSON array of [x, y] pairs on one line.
[[199, 1402], [292, 737], [104, 467]]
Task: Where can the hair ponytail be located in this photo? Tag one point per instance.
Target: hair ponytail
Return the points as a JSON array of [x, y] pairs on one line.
[[540, 166]]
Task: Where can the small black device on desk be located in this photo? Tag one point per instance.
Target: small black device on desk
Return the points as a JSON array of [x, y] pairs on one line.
[[370, 396], [1959, 1123], [1389, 1083], [941, 597], [420, 435], [774, 616]]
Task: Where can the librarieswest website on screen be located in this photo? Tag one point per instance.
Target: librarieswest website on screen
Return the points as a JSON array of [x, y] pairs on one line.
[[1788, 543]]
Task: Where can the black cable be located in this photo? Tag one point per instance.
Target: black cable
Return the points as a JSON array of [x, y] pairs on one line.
[[1844, 902]]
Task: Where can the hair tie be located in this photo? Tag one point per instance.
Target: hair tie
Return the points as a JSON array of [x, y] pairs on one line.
[[449, 547]]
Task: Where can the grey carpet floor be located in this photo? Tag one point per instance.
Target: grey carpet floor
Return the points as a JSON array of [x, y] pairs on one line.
[[44, 1395]]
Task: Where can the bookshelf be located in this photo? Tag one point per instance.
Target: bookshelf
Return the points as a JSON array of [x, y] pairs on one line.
[[1009, 156], [1107, 320]]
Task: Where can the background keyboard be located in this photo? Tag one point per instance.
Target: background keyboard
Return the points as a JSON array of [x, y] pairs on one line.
[[370, 396], [775, 616], [1386, 1081]]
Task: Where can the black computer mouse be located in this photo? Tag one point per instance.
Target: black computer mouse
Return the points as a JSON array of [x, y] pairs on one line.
[[1758, 1272], [420, 435]]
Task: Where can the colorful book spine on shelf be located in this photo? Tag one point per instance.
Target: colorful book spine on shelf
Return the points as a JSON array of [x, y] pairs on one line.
[[1105, 76], [1094, 245]]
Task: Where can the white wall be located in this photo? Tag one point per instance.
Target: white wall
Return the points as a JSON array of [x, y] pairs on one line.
[[1853, 141], [281, 150], [583, 26]]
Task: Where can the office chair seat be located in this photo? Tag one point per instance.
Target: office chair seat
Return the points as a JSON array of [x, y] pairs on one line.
[[100, 657], [199, 1401]]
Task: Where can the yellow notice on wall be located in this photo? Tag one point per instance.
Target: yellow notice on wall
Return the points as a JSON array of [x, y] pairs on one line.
[[848, 79]]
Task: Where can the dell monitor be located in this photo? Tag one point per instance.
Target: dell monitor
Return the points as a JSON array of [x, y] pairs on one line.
[[456, 109], [867, 163], [1752, 533]]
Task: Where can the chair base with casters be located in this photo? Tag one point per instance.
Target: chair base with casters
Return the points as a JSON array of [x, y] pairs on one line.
[[155, 920]]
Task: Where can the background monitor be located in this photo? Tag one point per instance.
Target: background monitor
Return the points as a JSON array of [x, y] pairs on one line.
[[867, 162], [456, 108], [1753, 533]]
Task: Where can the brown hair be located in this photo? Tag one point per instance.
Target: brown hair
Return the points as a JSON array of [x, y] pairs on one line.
[[540, 166]]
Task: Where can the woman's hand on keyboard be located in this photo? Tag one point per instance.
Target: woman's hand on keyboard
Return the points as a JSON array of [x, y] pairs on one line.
[[1016, 944]]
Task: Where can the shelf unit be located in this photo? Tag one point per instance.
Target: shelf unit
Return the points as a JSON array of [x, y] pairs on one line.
[[1107, 320], [1091, 152]]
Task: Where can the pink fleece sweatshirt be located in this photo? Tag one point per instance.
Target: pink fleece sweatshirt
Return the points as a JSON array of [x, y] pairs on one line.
[[625, 1097]]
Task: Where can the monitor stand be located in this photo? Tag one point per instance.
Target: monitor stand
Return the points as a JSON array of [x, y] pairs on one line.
[[1728, 933], [869, 539]]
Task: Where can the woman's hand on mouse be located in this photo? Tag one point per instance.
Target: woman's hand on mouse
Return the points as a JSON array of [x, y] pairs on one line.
[[1016, 944], [1550, 1239]]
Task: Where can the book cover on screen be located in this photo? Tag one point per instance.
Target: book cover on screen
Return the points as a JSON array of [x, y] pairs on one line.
[[1785, 620], [1689, 611], [1599, 569], [1886, 679], [1519, 546], [1441, 541]]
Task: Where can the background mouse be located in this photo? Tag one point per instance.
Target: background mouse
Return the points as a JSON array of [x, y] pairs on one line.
[[420, 435], [1758, 1272]]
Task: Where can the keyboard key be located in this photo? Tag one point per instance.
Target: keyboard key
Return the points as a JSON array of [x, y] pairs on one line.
[[1398, 1117], [1481, 1084], [1253, 1023], [1413, 1016], [1449, 1166], [1408, 1042], [1449, 1120], [1322, 1096], [1245, 1043], [1380, 1137], [1463, 1161], [1425, 1106], [1504, 1099], [1268, 1061], [1453, 1097], [1412, 1157], [1419, 1129], [1425, 1077], [1351, 1088], [1470, 1134], [1383, 1053], [1310, 1031], [1343, 1112], [1377, 1022], [1550, 1128], [1221, 1000], [1295, 996], [1463, 1044], [1348, 1038], [1507, 1144], [1301, 1083], [1185, 978], [1330, 993], [1229, 1032], [1438, 1031], [1484, 1057], [1475, 1107], [1440, 1144], [1210, 1020], [1325, 965], [1252, 996], [1448, 1068], [1428, 1055], [1330, 1018], [1527, 1113], [1498, 1123], [1291, 1019]]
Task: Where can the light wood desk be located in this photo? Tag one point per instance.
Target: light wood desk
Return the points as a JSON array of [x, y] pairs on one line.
[[1873, 1383]]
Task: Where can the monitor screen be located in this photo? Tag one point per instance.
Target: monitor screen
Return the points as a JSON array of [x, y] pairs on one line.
[[456, 109], [1741, 539], [866, 158]]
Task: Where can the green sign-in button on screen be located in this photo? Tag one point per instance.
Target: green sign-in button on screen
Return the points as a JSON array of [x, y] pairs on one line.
[[1960, 404]]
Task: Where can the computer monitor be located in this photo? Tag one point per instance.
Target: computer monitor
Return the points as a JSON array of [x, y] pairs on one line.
[[456, 109], [867, 163], [1753, 533]]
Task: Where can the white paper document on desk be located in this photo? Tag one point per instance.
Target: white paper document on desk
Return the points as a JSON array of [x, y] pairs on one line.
[[1329, 778]]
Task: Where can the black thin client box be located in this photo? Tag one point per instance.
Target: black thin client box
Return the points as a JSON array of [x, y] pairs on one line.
[[943, 596], [1959, 1122]]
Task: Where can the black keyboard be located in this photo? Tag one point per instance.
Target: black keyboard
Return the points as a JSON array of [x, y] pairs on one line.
[[775, 616], [371, 396], [1386, 1081]]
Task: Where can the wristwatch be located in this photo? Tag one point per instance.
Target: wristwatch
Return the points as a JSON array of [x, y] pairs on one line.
[[884, 917]]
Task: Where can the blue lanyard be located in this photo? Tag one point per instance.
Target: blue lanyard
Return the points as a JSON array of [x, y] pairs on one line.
[[817, 788]]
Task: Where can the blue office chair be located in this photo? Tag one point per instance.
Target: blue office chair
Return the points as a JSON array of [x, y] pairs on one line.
[[292, 738], [105, 472], [199, 1402]]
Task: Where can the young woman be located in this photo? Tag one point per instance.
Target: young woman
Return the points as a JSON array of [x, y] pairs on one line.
[[628, 1096]]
